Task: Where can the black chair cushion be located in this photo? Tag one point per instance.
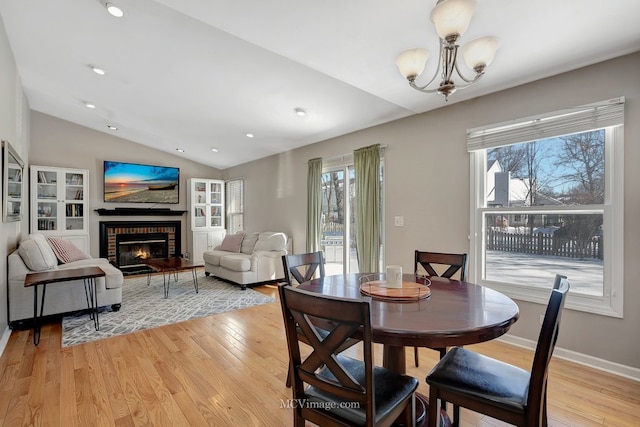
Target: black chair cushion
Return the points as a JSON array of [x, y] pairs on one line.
[[482, 378], [390, 387]]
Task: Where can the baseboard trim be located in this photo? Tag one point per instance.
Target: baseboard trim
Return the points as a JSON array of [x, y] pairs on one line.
[[4, 340], [580, 358]]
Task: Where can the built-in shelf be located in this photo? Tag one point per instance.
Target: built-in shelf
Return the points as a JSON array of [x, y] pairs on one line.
[[139, 212]]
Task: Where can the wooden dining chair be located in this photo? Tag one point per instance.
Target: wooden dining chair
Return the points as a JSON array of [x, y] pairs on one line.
[[497, 389], [330, 388], [302, 267], [431, 262]]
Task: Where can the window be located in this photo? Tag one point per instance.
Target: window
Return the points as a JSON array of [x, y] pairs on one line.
[[338, 240], [234, 193], [548, 198]]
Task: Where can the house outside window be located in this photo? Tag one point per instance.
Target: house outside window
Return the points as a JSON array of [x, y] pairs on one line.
[[547, 198], [234, 193]]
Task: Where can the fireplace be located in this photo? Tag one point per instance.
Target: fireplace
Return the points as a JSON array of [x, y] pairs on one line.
[[127, 244], [133, 249]]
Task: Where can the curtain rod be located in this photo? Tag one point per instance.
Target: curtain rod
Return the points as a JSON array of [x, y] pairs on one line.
[[341, 157]]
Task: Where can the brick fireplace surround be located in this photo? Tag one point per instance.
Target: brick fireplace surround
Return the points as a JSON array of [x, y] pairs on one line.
[[110, 229]]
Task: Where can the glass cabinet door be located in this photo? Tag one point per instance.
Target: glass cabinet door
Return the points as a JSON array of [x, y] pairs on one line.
[[215, 212], [74, 201], [199, 204], [47, 200]]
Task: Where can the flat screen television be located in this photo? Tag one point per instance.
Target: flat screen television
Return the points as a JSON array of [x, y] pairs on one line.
[[136, 183]]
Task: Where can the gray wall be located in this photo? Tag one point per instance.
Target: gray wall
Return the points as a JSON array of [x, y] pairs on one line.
[[14, 127], [427, 182], [56, 142]]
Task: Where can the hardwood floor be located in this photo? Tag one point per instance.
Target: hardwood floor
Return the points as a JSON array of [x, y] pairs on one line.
[[229, 370]]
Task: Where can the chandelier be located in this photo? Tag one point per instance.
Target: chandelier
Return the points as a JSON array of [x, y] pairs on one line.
[[451, 19]]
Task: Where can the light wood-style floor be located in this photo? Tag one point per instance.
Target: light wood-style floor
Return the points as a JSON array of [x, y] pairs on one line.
[[229, 370]]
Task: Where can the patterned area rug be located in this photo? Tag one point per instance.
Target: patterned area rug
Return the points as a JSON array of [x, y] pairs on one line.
[[144, 307]]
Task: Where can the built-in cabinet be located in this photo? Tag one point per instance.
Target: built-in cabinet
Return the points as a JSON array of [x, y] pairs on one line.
[[206, 216], [12, 178], [60, 203]]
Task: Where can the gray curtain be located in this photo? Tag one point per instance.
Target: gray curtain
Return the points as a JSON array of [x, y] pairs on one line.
[[314, 204], [366, 162]]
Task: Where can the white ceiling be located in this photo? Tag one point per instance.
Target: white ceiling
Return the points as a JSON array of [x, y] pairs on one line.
[[197, 74]]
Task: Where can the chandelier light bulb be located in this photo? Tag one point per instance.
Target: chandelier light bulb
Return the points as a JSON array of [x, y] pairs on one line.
[[480, 52], [411, 62], [452, 17]]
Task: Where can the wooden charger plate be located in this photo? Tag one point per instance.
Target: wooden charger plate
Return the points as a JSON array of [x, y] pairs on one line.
[[410, 291]]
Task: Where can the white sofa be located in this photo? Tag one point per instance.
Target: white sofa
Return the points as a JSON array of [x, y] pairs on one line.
[[35, 254], [250, 259]]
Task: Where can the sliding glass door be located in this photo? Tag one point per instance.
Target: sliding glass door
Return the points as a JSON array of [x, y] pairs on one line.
[[338, 241]]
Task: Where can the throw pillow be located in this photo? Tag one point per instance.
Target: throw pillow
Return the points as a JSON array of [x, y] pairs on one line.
[[35, 256], [249, 242], [231, 243], [65, 250], [269, 241]]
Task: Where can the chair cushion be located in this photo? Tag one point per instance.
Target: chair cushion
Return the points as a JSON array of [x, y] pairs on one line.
[[231, 243], [37, 254], [482, 378], [249, 242], [65, 250], [213, 257], [269, 241], [391, 389], [236, 262]]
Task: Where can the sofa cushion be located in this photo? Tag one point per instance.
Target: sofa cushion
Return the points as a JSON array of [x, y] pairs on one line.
[[240, 262], [231, 243], [213, 257], [112, 276], [249, 242], [37, 254], [65, 250], [269, 241]]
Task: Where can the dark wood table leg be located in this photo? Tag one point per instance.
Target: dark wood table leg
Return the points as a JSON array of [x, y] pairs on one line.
[[195, 279], [91, 293], [37, 328], [166, 283], [394, 358]]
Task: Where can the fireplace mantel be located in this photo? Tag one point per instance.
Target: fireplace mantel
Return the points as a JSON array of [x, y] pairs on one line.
[[139, 212]]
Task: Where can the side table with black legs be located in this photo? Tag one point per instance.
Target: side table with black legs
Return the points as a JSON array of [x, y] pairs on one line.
[[44, 278]]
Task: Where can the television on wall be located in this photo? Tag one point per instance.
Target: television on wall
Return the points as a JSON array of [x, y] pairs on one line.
[[136, 183]]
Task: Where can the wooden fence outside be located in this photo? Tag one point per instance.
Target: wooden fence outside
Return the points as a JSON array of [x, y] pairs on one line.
[[544, 244]]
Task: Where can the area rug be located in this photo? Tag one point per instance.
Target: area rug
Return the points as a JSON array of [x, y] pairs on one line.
[[145, 307]]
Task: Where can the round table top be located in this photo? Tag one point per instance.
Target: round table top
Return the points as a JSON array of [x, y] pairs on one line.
[[457, 313]]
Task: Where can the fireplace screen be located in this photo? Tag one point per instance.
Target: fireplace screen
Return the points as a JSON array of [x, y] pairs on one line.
[[132, 249]]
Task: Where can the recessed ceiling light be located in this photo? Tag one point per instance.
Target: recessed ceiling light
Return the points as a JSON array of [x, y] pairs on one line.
[[114, 10], [301, 112], [249, 135], [180, 150], [112, 127], [214, 149], [97, 70], [89, 105]]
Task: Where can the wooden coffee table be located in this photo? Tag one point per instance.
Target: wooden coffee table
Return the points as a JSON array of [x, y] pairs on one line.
[[169, 265], [44, 278]]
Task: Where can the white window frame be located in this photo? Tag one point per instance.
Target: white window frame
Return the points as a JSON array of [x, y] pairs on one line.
[[229, 206], [480, 140]]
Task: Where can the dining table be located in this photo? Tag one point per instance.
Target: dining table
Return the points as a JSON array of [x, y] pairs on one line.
[[445, 313]]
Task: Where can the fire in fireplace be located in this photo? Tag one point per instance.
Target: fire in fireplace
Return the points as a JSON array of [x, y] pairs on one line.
[[131, 249]]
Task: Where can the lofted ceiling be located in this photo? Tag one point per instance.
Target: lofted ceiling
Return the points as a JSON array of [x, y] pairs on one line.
[[201, 74]]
